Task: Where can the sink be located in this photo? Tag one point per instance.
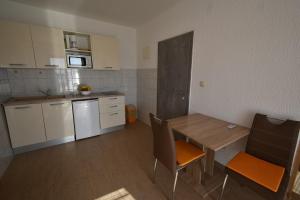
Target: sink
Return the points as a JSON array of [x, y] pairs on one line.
[[55, 97], [110, 93]]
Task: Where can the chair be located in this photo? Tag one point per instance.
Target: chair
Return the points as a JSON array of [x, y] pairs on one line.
[[173, 155], [266, 166]]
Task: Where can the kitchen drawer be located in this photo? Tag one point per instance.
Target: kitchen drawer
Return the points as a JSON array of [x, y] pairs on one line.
[[111, 100], [112, 119], [111, 107]]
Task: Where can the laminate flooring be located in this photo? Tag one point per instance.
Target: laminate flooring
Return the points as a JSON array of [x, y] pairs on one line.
[[113, 166]]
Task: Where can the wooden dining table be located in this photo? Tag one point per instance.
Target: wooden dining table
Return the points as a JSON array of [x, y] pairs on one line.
[[213, 134]]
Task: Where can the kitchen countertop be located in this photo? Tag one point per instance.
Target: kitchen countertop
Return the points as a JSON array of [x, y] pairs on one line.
[[44, 99]]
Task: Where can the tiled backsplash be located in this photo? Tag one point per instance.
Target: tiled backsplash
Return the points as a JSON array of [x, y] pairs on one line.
[[147, 93], [29, 82]]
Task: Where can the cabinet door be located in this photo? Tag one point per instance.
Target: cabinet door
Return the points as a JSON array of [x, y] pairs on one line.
[[26, 125], [16, 45], [58, 117], [105, 52], [48, 45]]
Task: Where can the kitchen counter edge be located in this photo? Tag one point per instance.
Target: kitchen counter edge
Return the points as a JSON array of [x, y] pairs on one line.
[[13, 102]]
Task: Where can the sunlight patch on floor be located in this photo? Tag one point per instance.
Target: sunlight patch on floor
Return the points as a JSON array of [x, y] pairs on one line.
[[297, 184], [121, 194]]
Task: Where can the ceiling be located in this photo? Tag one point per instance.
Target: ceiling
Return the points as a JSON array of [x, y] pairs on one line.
[[125, 12]]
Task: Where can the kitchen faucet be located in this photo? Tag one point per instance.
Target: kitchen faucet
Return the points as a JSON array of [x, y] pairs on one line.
[[46, 93]]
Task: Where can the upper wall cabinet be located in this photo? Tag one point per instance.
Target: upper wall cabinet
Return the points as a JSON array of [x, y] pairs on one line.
[[16, 45], [105, 52], [48, 45]]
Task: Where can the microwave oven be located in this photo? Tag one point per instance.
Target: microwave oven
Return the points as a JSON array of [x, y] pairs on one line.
[[79, 61]]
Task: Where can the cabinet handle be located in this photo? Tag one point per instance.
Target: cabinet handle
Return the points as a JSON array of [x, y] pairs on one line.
[[108, 67], [51, 65], [114, 106], [113, 98], [17, 64], [114, 114], [56, 104], [22, 107]]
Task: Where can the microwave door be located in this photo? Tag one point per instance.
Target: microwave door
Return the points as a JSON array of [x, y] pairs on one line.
[[75, 61], [79, 61]]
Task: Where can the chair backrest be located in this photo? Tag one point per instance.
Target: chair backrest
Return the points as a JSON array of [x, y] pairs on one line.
[[273, 142], [163, 143]]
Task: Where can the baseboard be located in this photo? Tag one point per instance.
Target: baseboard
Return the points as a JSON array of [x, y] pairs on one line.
[[28, 148]]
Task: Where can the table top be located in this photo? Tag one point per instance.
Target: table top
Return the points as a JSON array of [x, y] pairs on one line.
[[208, 131]]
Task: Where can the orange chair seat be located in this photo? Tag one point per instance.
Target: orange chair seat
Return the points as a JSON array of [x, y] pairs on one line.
[[186, 153], [262, 172]]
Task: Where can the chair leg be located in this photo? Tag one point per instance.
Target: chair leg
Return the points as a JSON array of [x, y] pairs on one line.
[[154, 169], [174, 186], [202, 173], [223, 187]]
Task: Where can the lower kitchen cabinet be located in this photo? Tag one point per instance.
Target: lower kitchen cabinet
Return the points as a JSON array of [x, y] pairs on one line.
[[26, 125], [108, 120], [112, 111], [30, 124], [58, 118]]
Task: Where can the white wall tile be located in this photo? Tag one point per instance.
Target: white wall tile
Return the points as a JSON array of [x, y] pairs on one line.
[[14, 73], [28, 82]]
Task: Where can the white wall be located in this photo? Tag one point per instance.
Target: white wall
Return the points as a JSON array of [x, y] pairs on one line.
[[28, 14], [247, 52]]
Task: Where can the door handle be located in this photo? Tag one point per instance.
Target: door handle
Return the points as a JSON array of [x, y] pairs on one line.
[[17, 64], [183, 98]]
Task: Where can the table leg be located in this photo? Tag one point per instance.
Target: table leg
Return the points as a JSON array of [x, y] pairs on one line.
[[209, 163]]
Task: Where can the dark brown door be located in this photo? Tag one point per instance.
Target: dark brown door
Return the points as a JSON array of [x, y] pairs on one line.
[[174, 75]]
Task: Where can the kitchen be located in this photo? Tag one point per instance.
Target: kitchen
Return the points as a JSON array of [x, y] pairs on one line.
[[64, 75]]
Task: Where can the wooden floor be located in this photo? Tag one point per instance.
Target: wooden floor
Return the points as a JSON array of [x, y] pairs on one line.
[[94, 168]]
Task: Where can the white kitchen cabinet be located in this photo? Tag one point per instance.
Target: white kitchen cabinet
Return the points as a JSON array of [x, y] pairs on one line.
[[112, 119], [26, 125], [112, 100], [112, 111], [58, 118], [48, 45], [105, 52], [16, 45]]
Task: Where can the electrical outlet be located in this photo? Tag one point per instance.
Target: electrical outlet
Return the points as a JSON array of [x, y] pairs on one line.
[[202, 84]]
